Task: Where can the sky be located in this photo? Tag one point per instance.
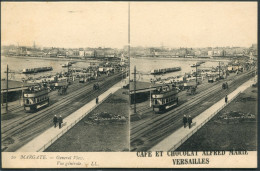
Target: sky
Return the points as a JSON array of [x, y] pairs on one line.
[[105, 24], [193, 24], [65, 24]]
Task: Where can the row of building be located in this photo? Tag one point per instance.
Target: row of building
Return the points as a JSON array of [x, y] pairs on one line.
[[206, 52], [194, 52], [61, 52]]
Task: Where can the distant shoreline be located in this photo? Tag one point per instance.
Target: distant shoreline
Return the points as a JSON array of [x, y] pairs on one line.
[[191, 59], [56, 59]]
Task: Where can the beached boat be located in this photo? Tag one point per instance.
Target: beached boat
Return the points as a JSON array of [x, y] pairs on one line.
[[165, 70]]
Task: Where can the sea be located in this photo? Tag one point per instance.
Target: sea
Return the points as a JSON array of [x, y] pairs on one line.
[[144, 66], [17, 64]]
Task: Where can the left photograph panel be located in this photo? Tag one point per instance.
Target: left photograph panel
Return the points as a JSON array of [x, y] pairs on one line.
[[64, 77]]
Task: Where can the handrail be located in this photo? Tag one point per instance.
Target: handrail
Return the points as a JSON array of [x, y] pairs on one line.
[[70, 126], [203, 123]]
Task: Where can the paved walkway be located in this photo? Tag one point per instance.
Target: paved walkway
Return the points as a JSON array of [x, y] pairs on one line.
[[44, 140], [173, 141]]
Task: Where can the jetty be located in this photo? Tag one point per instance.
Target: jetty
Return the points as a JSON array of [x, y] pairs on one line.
[[35, 70], [165, 70]]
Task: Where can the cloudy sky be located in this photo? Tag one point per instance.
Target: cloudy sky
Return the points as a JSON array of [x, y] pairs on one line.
[[194, 24], [65, 24], [105, 24]]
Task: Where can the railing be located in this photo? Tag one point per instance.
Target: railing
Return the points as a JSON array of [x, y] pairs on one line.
[[70, 126], [203, 123]]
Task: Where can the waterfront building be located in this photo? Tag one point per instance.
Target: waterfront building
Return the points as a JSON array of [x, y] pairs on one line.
[[61, 53], [54, 52], [109, 55], [210, 53], [254, 46], [89, 53], [190, 56], [98, 53], [11, 52], [81, 52], [197, 53], [69, 53], [75, 52]]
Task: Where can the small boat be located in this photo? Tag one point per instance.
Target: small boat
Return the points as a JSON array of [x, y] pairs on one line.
[[68, 64], [73, 62], [200, 62], [197, 64], [194, 65]]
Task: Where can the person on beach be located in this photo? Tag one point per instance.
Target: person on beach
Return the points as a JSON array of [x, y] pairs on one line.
[[60, 121], [97, 100], [55, 121], [226, 99], [185, 121], [189, 121]]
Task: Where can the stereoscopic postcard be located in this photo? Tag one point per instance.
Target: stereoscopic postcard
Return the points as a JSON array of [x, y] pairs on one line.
[[129, 84]]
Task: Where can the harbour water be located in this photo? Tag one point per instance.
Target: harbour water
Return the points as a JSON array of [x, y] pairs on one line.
[[145, 65], [16, 65]]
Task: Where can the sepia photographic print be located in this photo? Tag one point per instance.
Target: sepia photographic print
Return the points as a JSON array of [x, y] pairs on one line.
[[129, 84], [64, 70]]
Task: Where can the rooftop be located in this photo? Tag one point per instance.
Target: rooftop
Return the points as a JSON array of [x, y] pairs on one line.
[[14, 85], [143, 86]]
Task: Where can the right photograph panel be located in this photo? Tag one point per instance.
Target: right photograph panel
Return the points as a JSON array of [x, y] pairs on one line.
[[193, 76]]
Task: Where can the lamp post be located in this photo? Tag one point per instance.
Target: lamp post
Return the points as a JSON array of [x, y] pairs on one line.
[[219, 70], [135, 90], [196, 74], [22, 99], [150, 96]]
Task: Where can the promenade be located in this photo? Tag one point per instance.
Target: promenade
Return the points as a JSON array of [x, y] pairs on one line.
[[177, 138], [44, 140]]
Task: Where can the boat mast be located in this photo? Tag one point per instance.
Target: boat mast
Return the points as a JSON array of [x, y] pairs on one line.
[[68, 73], [219, 70], [129, 41], [196, 74], [129, 55]]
